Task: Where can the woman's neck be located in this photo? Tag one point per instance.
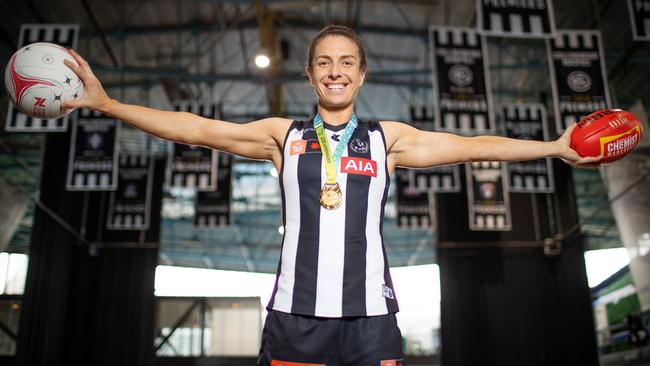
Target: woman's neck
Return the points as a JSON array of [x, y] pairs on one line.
[[336, 117]]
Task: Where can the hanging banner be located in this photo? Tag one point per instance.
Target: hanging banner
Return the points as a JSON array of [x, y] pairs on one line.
[[462, 97], [129, 207], [193, 166], [422, 117], [415, 207], [93, 153], [640, 19], [441, 179], [578, 77], [213, 208], [65, 35], [528, 122], [529, 19], [487, 197]]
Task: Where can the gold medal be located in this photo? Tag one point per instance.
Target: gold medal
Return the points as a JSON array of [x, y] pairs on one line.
[[330, 196]]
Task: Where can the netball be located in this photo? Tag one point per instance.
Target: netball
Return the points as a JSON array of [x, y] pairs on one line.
[[37, 80]]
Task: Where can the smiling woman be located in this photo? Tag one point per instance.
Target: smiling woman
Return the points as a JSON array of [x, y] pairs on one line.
[[333, 302]]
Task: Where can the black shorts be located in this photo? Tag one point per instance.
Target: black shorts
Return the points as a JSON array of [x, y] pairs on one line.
[[295, 340]]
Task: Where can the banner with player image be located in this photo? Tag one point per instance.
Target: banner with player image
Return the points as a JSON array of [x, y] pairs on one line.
[[213, 208], [528, 122], [528, 19], [66, 35], [488, 198], [415, 207], [640, 19], [578, 77], [441, 179], [462, 97], [129, 207], [193, 166], [93, 153]]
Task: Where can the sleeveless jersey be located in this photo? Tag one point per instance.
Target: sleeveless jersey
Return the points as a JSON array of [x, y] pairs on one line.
[[333, 262]]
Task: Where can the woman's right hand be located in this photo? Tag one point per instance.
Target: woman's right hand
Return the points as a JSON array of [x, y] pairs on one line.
[[94, 96]]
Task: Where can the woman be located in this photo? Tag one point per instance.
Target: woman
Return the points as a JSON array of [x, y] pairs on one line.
[[333, 302]]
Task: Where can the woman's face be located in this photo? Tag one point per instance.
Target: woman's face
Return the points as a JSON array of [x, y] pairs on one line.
[[336, 72]]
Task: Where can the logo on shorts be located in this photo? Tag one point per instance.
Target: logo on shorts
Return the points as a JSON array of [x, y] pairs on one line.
[[359, 146], [399, 362], [286, 363], [387, 292]]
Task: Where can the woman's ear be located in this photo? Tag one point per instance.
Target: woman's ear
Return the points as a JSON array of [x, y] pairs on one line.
[[363, 77], [311, 81]]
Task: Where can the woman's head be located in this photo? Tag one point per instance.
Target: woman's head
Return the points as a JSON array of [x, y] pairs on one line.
[[340, 31], [336, 66]]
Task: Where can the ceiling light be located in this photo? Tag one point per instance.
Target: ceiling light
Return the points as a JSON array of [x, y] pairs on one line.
[[262, 61]]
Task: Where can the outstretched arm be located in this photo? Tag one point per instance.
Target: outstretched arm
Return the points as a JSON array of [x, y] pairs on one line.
[[257, 140], [413, 148]]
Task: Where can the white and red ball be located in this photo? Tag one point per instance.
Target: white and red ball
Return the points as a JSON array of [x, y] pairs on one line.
[[609, 133], [38, 81]]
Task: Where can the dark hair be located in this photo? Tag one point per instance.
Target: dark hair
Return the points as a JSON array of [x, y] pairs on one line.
[[337, 30]]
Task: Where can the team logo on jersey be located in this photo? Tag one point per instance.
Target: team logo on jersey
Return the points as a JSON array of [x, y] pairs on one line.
[[387, 292], [359, 166], [298, 147], [359, 146]]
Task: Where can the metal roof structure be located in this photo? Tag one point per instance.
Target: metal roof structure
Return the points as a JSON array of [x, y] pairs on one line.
[[158, 51]]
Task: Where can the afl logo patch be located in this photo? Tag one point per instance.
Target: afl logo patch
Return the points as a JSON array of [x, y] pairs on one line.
[[359, 146]]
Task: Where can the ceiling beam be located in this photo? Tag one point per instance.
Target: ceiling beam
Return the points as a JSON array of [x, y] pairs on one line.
[[203, 26]]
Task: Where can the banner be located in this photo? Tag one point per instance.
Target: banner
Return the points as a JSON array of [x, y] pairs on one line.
[[439, 179], [213, 208], [528, 122], [487, 197], [129, 207], [640, 19], [462, 97], [578, 77], [93, 153], [422, 117], [415, 207], [65, 35], [193, 166], [529, 19]]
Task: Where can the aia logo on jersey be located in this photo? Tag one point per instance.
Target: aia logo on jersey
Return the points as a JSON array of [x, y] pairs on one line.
[[359, 166], [298, 147]]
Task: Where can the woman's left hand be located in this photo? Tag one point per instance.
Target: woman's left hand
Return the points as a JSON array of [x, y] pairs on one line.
[[570, 156]]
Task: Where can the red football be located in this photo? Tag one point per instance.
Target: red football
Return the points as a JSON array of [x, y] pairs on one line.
[[610, 133]]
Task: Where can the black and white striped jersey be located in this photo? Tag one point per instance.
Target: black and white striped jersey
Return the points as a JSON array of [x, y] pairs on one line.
[[333, 262]]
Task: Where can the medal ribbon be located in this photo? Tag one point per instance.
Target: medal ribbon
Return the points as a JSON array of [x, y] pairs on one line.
[[332, 160]]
